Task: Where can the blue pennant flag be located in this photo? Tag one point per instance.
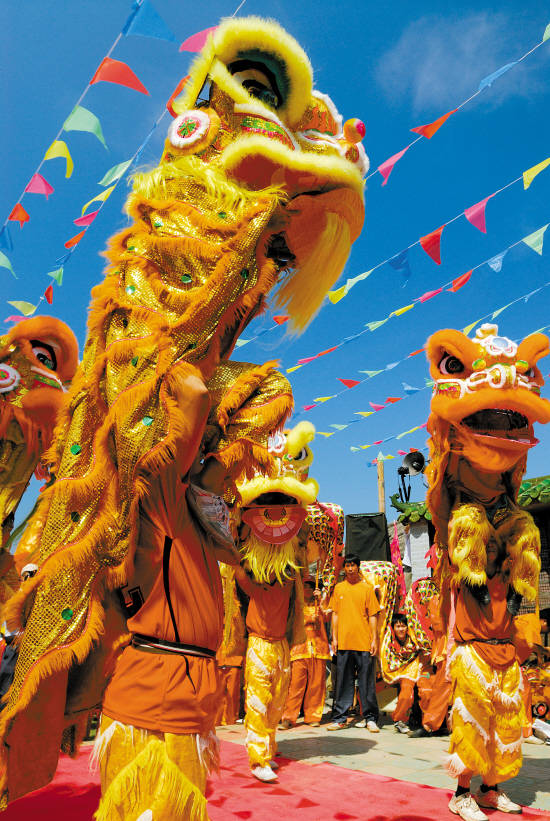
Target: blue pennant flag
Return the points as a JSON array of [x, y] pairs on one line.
[[400, 262], [488, 81], [5, 239], [410, 388], [145, 21], [496, 262]]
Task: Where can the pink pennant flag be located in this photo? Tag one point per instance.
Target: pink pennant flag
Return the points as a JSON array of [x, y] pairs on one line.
[[460, 281], [376, 407], [402, 452], [476, 214], [308, 407], [431, 243], [39, 185], [378, 442], [349, 383], [387, 166], [15, 318], [429, 129], [429, 295], [87, 219], [197, 41], [307, 359], [48, 293], [115, 71]]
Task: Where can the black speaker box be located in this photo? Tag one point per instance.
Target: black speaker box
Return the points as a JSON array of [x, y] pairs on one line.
[[367, 536]]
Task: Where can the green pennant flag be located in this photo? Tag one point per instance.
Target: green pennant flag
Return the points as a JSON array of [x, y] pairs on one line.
[[370, 374], [500, 310], [546, 34], [372, 326], [26, 308], [536, 239], [115, 173], [80, 119], [338, 427], [5, 263], [241, 342], [354, 449], [57, 275]]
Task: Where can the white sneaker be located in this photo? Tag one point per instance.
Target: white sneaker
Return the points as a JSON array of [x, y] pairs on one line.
[[533, 739], [264, 773], [361, 724], [465, 806], [497, 800], [372, 727]]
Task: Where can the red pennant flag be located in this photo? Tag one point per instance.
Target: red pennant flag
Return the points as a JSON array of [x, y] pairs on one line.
[[328, 350], [430, 129], [197, 41], [415, 353], [177, 91], [87, 219], [48, 293], [393, 399], [460, 281], [476, 214], [378, 442], [280, 320], [402, 452], [376, 407], [114, 71], [19, 215], [308, 407], [39, 185], [388, 165], [349, 383], [429, 295], [431, 243], [74, 240]]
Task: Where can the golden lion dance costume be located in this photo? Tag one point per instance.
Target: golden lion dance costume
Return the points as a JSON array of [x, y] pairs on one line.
[[38, 358], [259, 184], [486, 398], [271, 537]]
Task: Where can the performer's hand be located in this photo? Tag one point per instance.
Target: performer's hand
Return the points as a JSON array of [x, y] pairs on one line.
[[374, 647], [317, 593], [334, 647]]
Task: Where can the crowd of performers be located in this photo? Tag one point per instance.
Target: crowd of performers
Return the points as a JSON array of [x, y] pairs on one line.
[[169, 552]]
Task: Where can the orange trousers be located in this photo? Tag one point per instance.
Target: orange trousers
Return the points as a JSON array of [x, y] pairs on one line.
[[527, 698], [307, 685], [230, 695], [435, 699]]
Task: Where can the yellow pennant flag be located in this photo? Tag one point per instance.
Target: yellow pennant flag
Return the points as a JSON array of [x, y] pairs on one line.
[[295, 368], [323, 433], [100, 197], [364, 447], [468, 328], [336, 296], [323, 398], [531, 173], [364, 413], [402, 310], [59, 149]]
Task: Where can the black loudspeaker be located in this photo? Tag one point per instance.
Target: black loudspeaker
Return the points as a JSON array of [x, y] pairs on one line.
[[367, 536]]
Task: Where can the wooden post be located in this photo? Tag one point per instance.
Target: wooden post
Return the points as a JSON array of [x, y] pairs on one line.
[[381, 486]]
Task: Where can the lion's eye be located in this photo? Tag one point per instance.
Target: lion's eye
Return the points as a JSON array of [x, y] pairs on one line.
[[301, 456], [450, 365], [258, 81], [45, 354]]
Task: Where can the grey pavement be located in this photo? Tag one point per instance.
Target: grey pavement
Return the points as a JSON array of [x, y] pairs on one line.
[[393, 754]]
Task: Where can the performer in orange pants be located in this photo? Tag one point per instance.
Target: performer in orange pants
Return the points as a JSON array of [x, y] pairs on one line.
[[231, 674], [308, 664]]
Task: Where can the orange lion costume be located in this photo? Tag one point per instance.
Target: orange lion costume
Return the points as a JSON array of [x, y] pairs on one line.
[[486, 398], [260, 184], [38, 359]]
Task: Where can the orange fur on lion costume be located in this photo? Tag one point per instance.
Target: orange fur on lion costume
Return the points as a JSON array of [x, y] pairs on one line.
[[485, 401]]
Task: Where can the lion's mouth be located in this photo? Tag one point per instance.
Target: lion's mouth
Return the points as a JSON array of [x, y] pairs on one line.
[[274, 517], [503, 424]]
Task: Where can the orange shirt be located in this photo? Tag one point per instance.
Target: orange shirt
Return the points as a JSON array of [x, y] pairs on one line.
[[526, 635], [316, 644], [354, 604], [153, 690], [268, 611], [489, 622]]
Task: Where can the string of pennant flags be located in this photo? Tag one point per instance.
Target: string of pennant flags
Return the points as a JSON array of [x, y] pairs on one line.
[[431, 243], [534, 240], [143, 21], [409, 390], [429, 129]]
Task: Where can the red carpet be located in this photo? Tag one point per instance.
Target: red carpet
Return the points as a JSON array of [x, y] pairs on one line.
[[307, 792]]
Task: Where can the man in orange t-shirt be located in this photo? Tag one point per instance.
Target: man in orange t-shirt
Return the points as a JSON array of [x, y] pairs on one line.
[[354, 640]]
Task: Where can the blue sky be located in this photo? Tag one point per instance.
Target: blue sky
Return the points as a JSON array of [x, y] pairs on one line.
[[395, 66]]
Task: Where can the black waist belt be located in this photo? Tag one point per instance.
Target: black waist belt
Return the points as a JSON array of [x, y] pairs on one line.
[[151, 642], [487, 641]]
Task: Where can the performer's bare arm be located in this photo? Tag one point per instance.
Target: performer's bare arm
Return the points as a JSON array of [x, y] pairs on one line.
[[245, 582], [334, 645], [374, 632]]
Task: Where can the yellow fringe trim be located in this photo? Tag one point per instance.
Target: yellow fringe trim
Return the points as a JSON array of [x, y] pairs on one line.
[[271, 560]]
